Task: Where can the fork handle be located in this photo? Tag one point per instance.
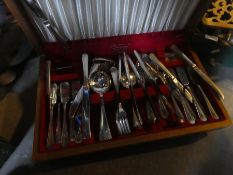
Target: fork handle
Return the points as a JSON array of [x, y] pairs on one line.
[[64, 134], [50, 137], [105, 133], [58, 127]]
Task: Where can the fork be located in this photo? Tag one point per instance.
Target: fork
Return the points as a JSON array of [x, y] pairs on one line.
[[121, 115], [64, 95]]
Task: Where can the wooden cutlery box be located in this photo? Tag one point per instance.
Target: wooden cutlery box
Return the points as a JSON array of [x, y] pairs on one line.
[[110, 47]]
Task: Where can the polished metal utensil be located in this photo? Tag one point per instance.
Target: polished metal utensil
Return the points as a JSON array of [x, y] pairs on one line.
[[198, 71], [53, 101], [33, 5], [121, 115], [125, 81], [100, 83], [151, 114], [48, 80], [184, 80], [86, 129], [78, 128], [129, 81], [75, 86], [58, 125], [178, 112], [195, 80], [189, 114], [162, 100], [172, 77], [64, 95], [179, 115]]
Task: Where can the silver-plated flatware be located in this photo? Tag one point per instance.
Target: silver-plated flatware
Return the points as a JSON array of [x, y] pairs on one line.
[[32, 4], [121, 115], [162, 100], [64, 95], [175, 92], [151, 113], [75, 86], [58, 125], [52, 103], [100, 83], [196, 81], [86, 129], [129, 80], [205, 77], [172, 77], [184, 80]]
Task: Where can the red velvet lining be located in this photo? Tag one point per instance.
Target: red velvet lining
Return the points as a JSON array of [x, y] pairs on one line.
[[111, 47]]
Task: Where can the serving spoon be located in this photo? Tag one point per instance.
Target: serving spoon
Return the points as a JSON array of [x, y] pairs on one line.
[[100, 83]]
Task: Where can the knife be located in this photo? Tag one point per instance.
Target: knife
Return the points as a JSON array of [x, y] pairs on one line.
[[33, 5], [172, 77], [86, 100], [205, 77]]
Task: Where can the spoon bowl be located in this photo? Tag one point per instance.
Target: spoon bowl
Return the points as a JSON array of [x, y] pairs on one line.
[[125, 82], [100, 82]]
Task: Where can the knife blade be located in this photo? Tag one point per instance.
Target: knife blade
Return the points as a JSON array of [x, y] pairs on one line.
[[205, 77], [172, 77]]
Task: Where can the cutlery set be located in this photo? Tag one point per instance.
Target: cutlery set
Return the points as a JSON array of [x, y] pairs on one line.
[[186, 100]]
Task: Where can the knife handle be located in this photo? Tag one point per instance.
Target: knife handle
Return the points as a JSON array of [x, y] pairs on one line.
[[48, 81], [180, 54], [199, 71], [160, 64], [85, 67], [209, 81]]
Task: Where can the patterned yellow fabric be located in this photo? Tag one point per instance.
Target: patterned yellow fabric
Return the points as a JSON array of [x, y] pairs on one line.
[[220, 14]]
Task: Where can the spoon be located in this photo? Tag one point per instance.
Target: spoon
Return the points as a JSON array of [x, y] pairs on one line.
[[162, 100], [100, 83], [128, 81], [141, 80]]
